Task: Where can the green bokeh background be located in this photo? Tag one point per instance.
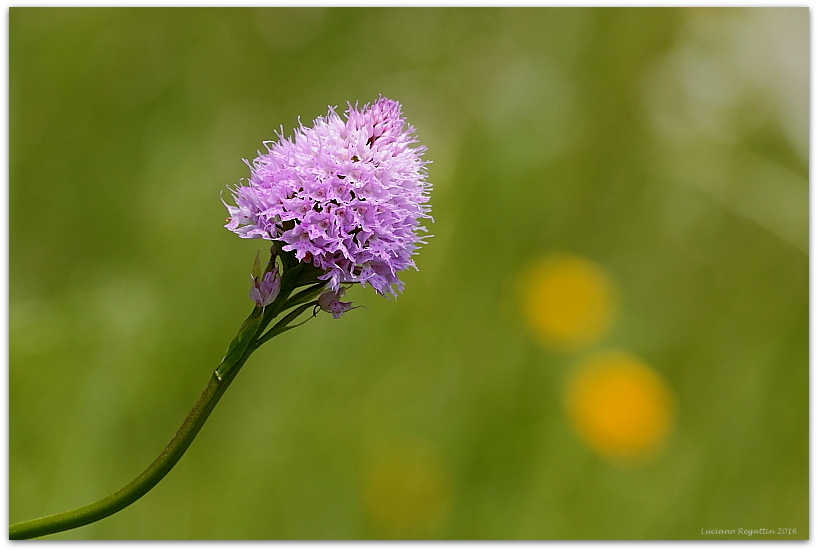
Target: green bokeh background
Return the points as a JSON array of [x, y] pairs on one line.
[[669, 146]]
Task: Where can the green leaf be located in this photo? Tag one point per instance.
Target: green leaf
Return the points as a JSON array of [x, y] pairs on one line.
[[307, 294], [309, 275], [282, 324], [288, 259], [256, 267], [241, 342]]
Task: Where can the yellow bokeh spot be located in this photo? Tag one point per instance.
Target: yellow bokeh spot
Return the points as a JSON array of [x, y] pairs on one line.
[[569, 301], [619, 406], [405, 492]]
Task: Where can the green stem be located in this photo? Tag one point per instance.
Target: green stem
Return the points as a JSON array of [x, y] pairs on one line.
[[246, 342], [145, 481]]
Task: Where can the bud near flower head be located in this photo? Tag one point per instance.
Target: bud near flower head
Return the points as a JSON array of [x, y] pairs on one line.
[[347, 196], [265, 288], [330, 302]]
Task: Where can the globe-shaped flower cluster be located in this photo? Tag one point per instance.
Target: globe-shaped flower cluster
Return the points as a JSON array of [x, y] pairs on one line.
[[348, 196]]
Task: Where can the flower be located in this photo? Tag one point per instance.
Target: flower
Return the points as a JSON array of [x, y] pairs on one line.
[[265, 289], [569, 301], [619, 406], [330, 301], [347, 196]]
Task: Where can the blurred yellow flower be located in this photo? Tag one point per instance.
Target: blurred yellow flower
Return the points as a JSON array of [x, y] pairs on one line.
[[405, 492], [619, 406], [569, 301]]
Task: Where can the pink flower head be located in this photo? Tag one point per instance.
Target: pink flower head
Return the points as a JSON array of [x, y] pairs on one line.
[[347, 196]]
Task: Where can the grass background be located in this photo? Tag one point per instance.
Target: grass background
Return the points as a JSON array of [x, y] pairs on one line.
[[668, 146]]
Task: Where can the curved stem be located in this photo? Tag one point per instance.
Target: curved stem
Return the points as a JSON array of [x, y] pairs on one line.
[[145, 481], [243, 345]]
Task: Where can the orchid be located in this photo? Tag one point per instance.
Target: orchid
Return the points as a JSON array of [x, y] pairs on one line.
[[341, 203]]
